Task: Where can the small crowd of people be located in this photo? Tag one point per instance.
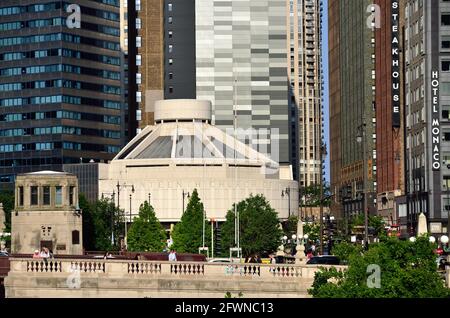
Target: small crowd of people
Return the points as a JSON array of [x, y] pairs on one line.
[[43, 253]]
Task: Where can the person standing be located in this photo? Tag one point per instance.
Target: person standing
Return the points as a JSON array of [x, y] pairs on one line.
[[172, 256]]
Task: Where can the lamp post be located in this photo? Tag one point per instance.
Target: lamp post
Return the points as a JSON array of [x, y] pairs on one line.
[[149, 197], [361, 138], [287, 192], [119, 186], [184, 195]]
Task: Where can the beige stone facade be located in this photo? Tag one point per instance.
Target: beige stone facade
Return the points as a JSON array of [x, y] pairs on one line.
[[46, 214]]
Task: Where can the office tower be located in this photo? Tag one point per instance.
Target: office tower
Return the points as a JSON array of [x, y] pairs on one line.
[[304, 48], [389, 101], [427, 90], [60, 84], [352, 101], [233, 52], [241, 65], [160, 41]]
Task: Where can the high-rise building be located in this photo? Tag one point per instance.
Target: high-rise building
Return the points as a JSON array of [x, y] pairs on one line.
[[160, 39], [233, 53], [241, 65], [427, 96], [389, 101], [304, 70], [352, 106], [60, 84]]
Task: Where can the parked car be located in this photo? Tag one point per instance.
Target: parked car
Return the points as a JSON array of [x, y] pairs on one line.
[[324, 260], [2, 253]]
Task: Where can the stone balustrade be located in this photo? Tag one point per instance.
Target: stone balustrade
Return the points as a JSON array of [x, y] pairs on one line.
[[139, 278]]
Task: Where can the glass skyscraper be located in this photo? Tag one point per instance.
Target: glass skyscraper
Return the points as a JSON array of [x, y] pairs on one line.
[[61, 99]]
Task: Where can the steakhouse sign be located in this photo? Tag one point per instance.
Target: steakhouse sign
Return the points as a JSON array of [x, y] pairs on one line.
[[395, 64], [435, 126]]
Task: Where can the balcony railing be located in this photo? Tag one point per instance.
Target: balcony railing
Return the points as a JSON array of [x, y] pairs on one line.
[[138, 268]]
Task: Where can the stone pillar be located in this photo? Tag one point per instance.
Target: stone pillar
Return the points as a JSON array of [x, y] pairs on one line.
[[300, 255]]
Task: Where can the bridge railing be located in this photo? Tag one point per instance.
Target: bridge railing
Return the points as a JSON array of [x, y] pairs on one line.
[[142, 268]]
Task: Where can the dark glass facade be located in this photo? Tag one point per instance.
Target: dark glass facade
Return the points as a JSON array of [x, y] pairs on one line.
[[60, 87]]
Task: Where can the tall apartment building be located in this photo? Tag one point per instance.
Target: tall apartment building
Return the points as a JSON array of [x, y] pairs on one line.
[[352, 106], [427, 96], [60, 85], [304, 46]]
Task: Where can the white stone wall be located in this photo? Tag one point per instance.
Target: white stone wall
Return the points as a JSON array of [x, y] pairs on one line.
[[217, 188]]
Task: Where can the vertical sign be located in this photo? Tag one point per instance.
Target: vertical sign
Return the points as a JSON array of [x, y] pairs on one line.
[[395, 64], [435, 125]]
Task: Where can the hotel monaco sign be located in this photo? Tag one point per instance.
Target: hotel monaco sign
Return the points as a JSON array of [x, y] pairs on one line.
[[435, 125]]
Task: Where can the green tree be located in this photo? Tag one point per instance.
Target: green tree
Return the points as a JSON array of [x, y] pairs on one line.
[[313, 230], [146, 233], [106, 216], [187, 235], [7, 198], [258, 227], [375, 222], [88, 223], [407, 270], [344, 250], [290, 226], [310, 195]]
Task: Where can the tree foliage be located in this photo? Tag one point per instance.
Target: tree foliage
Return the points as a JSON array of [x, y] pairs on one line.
[[88, 223], [98, 217], [313, 231], [259, 227], [146, 234], [187, 235], [407, 270], [345, 250], [310, 195], [7, 199], [374, 221]]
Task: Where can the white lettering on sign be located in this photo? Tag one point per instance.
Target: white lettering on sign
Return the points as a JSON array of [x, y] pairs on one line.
[[435, 126]]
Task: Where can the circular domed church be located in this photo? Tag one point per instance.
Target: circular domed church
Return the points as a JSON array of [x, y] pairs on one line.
[[183, 152]]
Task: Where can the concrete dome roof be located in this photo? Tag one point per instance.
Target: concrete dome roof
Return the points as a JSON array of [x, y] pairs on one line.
[[180, 138]]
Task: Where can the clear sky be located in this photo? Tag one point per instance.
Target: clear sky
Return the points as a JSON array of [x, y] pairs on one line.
[[326, 87]]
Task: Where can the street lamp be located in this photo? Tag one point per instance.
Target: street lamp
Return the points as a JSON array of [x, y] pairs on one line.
[[132, 191], [432, 239], [119, 186], [412, 239], [361, 138], [149, 197], [287, 192], [184, 195]]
